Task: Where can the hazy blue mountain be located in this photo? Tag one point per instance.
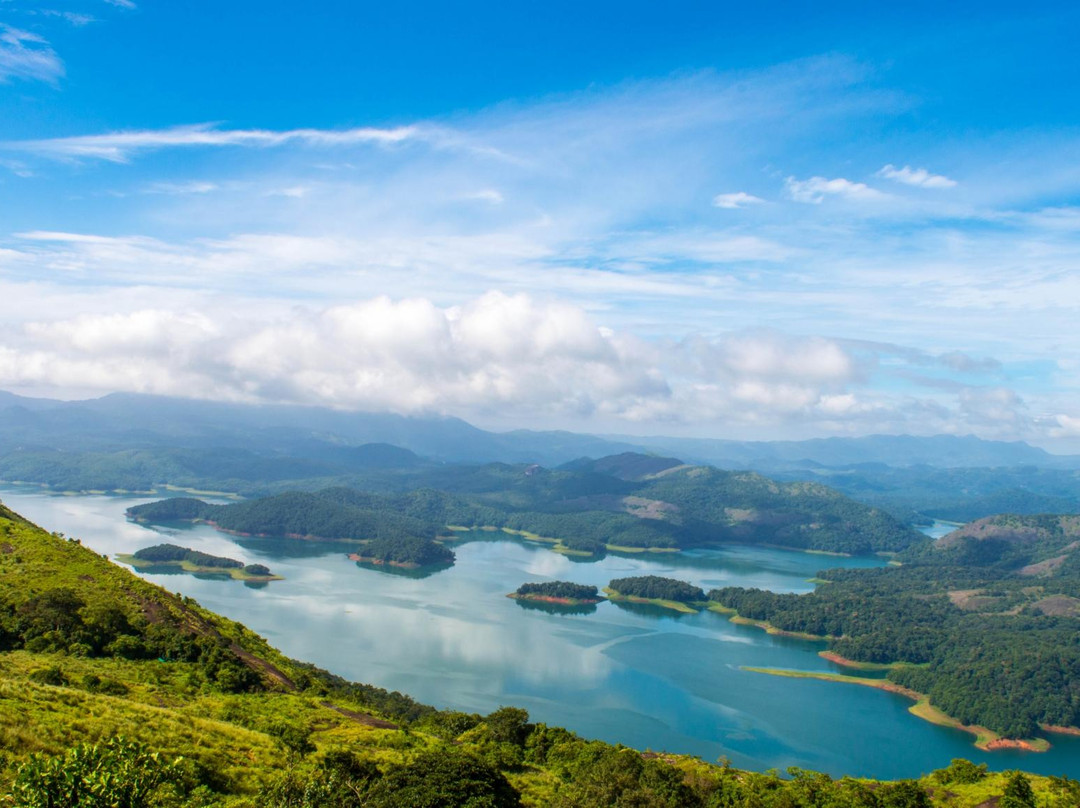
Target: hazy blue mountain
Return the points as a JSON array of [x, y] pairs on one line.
[[943, 451]]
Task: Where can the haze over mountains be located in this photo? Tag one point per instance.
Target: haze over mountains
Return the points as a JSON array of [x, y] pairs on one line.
[[138, 443], [128, 421]]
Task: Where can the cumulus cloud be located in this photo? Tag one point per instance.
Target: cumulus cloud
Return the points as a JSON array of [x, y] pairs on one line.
[[919, 177], [27, 56], [738, 199], [492, 353], [816, 189]]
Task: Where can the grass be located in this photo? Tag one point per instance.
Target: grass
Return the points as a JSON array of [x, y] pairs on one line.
[[622, 548], [769, 628], [675, 605]]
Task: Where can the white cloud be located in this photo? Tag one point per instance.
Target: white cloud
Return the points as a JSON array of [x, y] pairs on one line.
[[121, 3], [1065, 426], [74, 18], [180, 188], [739, 199], [919, 177], [816, 189], [24, 55], [119, 147], [595, 198], [489, 195]]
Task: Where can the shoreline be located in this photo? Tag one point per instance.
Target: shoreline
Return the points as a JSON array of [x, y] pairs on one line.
[[985, 739], [139, 520], [557, 601], [674, 605], [236, 573], [405, 565], [836, 659], [764, 625]]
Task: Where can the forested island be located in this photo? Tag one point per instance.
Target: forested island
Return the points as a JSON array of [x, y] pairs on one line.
[[561, 592], [668, 593], [197, 710], [171, 556], [407, 551], [984, 623]]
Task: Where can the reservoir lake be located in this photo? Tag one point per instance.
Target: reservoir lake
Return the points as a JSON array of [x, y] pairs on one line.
[[638, 675]]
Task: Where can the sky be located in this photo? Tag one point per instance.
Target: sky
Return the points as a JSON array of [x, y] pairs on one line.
[[752, 221]]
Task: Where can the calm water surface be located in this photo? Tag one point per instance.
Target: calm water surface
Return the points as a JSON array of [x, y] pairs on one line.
[[643, 677]]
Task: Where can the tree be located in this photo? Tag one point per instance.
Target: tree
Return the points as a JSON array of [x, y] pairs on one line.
[[443, 779], [1018, 793]]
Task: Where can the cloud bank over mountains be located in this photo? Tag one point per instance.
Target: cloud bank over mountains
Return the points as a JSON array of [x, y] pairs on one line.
[[542, 361]]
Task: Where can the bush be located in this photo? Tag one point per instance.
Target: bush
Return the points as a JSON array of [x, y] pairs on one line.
[[116, 774], [53, 675], [444, 778]]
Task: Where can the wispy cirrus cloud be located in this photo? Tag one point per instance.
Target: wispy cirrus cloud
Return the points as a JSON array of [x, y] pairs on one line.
[[27, 56], [919, 177], [119, 147]]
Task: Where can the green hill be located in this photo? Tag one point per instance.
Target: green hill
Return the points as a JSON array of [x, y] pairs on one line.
[[673, 506]]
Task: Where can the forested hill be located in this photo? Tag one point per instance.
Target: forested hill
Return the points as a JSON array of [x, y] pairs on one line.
[[325, 515], [678, 506], [112, 688], [990, 612]]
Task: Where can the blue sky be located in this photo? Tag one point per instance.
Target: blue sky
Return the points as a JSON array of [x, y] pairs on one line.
[[755, 220]]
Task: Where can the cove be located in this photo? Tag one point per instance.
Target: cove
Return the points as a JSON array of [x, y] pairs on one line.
[[644, 677]]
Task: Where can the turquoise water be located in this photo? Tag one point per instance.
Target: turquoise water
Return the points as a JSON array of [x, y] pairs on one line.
[[644, 677]]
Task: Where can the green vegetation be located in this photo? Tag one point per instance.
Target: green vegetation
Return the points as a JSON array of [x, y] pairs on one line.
[[584, 510], [562, 591], [653, 587], [404, 552], [666, 593], [116, 693], [194, 561], [984, 617], [294, 514]]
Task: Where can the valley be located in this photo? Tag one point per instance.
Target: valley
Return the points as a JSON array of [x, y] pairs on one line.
[[452, 639]]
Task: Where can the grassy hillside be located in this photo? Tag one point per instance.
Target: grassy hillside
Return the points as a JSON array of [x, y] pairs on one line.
[[138, 697]]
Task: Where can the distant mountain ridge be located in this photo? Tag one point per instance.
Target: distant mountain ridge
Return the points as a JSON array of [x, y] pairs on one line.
[[136, 421], [943, 451]]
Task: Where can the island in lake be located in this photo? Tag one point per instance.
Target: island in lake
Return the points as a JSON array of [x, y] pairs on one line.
[[409, 552], [667, 593], [559, 592], [173, 556]]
